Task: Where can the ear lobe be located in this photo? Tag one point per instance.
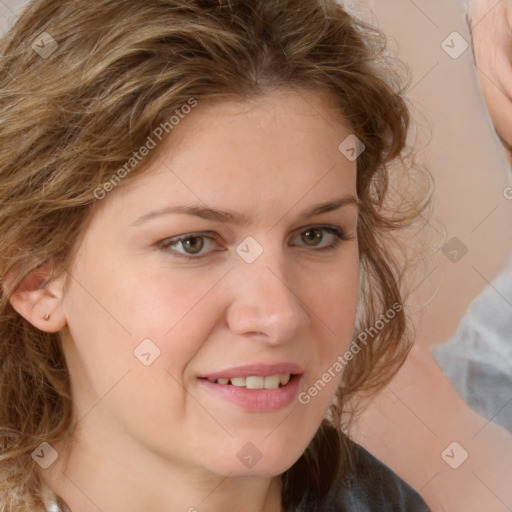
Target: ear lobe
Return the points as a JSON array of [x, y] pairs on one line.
[[39, 300]]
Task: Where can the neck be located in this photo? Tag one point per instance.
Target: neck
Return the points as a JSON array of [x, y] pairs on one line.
[[132, 482]]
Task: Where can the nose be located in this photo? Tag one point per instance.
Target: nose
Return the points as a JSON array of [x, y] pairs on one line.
[[265, 305]]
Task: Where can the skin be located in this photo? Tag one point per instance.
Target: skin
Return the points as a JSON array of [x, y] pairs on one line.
[[491, 23], [151, 437]]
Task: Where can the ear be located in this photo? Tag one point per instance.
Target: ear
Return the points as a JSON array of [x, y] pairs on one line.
[[39, 299]]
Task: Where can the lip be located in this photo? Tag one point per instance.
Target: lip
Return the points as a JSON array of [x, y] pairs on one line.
[[260, 370], [255, 400]]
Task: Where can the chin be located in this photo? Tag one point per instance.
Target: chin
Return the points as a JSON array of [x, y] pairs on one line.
[[258, 459], [260, 470]]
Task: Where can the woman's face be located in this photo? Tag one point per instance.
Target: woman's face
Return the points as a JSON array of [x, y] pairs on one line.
[[221, 262]]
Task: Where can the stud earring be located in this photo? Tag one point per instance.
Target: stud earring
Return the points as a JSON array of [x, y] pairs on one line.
[[47, 316]]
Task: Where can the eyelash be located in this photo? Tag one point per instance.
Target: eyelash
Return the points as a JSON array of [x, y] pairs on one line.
[[339, 234]]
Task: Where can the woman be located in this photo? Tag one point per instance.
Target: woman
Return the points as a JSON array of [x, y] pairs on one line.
[[197, 267]]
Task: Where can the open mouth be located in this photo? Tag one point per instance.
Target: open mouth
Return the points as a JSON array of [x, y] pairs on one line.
[[256, 381], [266, 392]]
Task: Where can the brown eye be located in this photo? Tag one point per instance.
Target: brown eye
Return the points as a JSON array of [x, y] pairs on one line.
[[312, 236], [320, 237], [193, 245]]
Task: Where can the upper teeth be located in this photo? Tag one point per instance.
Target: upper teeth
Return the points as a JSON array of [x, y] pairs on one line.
[[257, 382]]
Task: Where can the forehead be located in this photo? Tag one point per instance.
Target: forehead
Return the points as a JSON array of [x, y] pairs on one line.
[[317, 111], [278, 149]]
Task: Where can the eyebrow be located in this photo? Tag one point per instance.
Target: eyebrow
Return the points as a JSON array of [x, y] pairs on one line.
[[232, 217]]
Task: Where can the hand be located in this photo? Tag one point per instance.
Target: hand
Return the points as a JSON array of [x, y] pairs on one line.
[[491, 22]]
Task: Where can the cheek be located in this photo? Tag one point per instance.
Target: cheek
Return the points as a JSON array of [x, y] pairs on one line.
[[177, 311], [333, 301], [160, 320], [336, 297], [113, 310]]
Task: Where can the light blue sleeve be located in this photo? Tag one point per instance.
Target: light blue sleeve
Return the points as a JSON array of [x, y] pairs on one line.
[[478, 359]]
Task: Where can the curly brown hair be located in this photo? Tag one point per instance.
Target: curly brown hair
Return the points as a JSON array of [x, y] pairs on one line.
[[71, 119]]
